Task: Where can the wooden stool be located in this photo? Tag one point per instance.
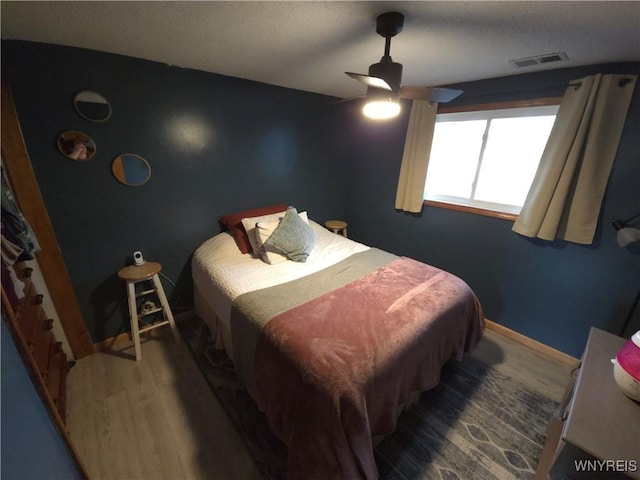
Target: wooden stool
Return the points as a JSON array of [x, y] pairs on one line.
[[147, 272], [336, 226]]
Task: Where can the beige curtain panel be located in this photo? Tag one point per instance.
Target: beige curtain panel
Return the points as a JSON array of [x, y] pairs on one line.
[[415, 158], [566, 194]]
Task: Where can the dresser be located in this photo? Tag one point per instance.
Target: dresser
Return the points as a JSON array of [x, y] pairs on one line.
[[596, 432]]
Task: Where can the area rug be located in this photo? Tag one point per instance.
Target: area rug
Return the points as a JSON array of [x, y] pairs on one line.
[[477, 424]]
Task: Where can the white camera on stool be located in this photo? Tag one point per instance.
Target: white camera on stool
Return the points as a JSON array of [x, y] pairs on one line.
[[137, 258]]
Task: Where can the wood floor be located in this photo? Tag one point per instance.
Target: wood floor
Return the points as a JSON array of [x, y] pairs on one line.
[[152, 419], [157, 418]]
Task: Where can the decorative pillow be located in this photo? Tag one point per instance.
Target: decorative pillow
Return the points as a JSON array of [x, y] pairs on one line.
[[233, 222], [263, 230], [268, 254], [249, 225], [293, 237]]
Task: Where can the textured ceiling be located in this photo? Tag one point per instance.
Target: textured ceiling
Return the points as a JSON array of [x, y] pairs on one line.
[[309, 45]]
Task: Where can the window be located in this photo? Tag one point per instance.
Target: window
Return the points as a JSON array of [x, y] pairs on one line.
[[486, 159]]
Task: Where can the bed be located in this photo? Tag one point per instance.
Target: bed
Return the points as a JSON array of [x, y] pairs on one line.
[[331, 347]]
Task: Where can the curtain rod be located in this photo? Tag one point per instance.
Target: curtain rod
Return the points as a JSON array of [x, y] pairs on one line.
[[542, 92], [621, 83]]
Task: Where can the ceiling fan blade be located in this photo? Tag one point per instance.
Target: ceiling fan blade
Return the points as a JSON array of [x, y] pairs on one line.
[[350, 99], [370, 81], [431, 94]]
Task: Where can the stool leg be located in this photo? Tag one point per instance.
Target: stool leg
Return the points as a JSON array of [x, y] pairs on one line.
[[165, 306], [133, 317]]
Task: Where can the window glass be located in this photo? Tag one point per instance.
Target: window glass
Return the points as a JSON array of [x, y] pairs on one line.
[[488, 158], [452, 166]]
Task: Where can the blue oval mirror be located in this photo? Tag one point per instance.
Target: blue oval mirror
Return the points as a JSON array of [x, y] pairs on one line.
[[131, 169]]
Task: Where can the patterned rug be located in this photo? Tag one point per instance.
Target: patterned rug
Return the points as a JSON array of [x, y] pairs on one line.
[[477, 424]]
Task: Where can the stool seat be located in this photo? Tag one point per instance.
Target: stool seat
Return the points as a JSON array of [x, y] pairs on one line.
[[147, 272], [139, 272], [336, 225]]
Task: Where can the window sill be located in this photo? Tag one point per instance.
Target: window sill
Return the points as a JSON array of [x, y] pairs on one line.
[[473, 210]]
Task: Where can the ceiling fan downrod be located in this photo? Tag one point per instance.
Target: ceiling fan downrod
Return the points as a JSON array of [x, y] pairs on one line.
[[388, 25]]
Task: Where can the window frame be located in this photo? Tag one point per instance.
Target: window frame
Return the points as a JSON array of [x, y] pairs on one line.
[[537, 102]]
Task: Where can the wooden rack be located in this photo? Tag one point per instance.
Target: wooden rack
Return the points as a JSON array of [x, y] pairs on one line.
[[38, 345]]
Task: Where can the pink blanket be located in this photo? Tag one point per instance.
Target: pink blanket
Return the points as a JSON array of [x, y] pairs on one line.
[[333, 372]]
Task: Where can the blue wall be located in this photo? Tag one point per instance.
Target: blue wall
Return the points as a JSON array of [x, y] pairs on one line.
[[218, 144], [215, 144], [32, 448], [549, 291]]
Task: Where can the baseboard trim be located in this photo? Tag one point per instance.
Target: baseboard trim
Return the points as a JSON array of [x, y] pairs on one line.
[[113, 343], [533, 344], [124, 339]]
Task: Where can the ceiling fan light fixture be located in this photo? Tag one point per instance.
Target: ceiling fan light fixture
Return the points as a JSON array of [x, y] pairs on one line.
[[386, 76], [380, 109]]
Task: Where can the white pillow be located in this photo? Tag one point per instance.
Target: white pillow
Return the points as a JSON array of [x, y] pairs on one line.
[[263, 231], [249, 225]]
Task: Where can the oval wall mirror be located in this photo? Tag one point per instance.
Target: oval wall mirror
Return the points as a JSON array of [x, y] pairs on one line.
[[76, 145], [131, 169], [92, 106]]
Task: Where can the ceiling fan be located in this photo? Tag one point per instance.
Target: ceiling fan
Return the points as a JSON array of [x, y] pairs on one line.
[[384, 78]]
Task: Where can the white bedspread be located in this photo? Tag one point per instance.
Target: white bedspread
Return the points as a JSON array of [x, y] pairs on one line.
[[221, 273]]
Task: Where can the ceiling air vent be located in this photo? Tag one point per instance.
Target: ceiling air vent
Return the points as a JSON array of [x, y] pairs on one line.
[[539, 59]]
